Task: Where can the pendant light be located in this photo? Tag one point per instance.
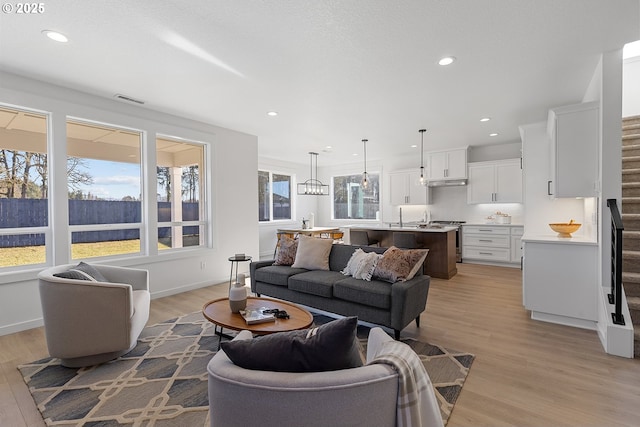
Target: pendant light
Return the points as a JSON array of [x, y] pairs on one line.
[[423, 178], [365, 176], [313, 186]]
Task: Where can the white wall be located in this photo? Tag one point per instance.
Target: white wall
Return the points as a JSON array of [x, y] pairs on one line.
[[234, 164], [631, 86]]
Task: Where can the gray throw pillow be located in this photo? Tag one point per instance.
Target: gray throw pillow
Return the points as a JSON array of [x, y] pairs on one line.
[[82, 271], [329, 347]]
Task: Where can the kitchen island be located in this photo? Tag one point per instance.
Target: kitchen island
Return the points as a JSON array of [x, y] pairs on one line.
[[441, 242]]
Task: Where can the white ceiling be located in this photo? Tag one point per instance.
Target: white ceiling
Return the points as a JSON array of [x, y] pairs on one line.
[[336, 71]]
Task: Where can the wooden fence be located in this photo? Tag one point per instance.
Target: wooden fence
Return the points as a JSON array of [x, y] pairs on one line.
[[20, 213]]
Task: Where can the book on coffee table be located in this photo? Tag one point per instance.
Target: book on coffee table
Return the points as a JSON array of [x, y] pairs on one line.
[[257, 316]]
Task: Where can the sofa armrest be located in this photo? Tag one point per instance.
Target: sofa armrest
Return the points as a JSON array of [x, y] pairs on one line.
[[137, 278], [252, 270], [408, 300]]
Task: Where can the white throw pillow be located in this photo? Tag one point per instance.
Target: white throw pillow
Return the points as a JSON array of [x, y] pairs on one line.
[[313, 253], [366, 266], [352, 264], [361, 264]]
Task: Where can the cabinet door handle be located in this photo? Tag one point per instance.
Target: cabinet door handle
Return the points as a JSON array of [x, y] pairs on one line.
[[485, 230], [486, 253], [485, 240], [549, 188]]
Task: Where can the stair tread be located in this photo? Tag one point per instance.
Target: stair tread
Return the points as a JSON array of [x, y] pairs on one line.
[[630, 277], [630, 171], [631, 184], [629, 147], [633, 234]]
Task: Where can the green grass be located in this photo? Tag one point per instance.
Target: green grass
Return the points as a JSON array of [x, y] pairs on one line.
[[11, 257]]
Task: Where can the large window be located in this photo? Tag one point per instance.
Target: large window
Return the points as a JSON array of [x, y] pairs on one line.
[[274, 196], [352, 201], [180, 191], [104, 189], [24, 213]]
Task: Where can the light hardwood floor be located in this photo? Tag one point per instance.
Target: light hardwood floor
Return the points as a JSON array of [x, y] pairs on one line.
[[526, 373]]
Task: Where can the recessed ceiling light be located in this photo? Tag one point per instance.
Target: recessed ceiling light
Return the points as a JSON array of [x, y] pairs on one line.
[[485, 119], [447, 60], [328, 147], [54, 35], [354, 154], [272, 113], [414, 146], [493, 134]]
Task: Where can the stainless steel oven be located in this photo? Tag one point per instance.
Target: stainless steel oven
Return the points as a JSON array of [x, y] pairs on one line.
[[457, 225]]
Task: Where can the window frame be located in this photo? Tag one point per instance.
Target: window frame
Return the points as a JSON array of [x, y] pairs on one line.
[[204, 223], [47, 229], [140, 226], [292, 200], [348, 173]]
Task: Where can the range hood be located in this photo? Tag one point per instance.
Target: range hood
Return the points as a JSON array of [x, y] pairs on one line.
[[447, 183]]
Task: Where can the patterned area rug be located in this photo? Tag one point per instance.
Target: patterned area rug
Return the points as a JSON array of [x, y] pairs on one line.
[[163, 380]]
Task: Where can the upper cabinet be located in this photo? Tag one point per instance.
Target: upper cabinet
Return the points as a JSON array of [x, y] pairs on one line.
[[405, 189], [444, 165], [573, 132], [497, 181]]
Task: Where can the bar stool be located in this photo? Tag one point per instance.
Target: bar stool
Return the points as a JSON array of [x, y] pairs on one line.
[[405, 240], [361, 238]]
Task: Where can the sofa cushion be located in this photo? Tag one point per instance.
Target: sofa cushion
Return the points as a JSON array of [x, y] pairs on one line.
[[375, 293], [313, 253], [399, 264], [329, 347], [286, 252], [316, 282], [276, 274]]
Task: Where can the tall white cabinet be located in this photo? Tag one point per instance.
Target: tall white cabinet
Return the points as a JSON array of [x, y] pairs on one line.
[[573, 133]]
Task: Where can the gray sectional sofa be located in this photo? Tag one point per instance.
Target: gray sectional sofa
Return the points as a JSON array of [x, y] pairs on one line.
[[379, 302]]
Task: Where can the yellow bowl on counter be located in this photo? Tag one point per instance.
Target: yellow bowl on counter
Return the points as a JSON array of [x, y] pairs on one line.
[[564, 229]]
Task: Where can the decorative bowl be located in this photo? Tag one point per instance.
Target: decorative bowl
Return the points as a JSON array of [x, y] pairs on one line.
[[564, 229]]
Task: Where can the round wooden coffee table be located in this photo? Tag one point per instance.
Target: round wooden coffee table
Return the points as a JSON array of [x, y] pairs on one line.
[[219, 313]]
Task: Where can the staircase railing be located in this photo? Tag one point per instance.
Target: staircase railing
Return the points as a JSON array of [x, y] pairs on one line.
[[615, 297]]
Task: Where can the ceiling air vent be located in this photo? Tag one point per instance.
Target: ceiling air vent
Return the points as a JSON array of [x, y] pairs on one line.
[[127, 98]]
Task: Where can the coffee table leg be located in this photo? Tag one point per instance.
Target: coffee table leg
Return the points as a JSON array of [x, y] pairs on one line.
[[220, 334]]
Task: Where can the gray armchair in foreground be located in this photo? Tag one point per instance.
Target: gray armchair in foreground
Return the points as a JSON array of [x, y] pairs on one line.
[[87, 322], [364, 396]]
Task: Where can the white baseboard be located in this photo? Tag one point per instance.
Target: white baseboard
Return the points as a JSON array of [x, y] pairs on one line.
[[22, 326], [185, 288], [564, 320]]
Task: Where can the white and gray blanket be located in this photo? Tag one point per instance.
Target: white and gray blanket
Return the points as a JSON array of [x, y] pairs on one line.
[[417, 404]]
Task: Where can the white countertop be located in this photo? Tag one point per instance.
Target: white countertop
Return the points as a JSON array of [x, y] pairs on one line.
[[553, 238], [414, 228], [479, 224]]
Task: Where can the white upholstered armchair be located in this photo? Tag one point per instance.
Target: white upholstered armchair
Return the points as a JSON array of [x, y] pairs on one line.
[[90, 322]]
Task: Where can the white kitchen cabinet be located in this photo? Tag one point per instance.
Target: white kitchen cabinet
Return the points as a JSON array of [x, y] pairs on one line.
[[445, 165], [405, 189], [489, 244], [495, 182], [516, 244], [560, 281], [573, 132]]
